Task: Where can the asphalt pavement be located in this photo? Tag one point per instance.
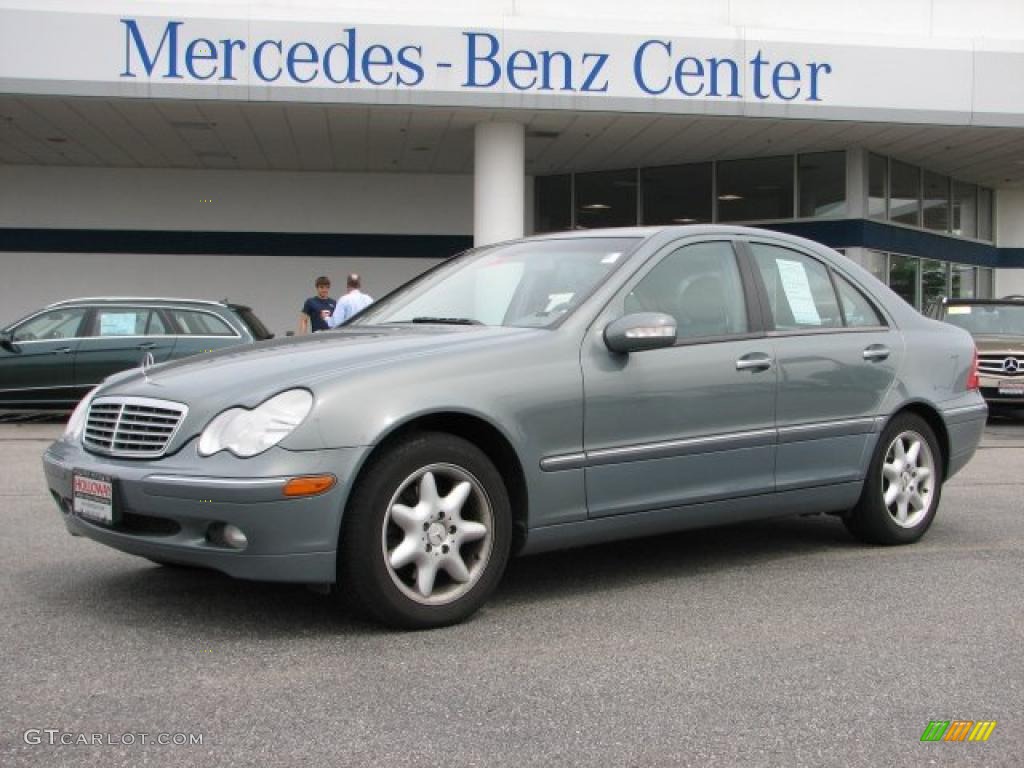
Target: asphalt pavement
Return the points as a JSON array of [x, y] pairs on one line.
[[781, 643]]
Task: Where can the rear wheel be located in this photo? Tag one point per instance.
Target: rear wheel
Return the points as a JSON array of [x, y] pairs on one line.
[[903, 486], [426, 534]]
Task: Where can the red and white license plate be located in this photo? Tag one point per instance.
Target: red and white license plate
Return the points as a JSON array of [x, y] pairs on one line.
[[93, 497]]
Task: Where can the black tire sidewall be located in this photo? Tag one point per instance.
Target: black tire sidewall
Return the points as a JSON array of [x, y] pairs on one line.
[[361, 565]]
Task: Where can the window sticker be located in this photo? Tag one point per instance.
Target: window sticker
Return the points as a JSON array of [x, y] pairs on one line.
[[798, 291], [120, 324], [958, 310]]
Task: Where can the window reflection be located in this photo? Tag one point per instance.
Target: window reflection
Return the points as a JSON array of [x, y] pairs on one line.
[[606, 199], [903, 272], [821, 179], [755, 190], [905, 204], [677, 194]]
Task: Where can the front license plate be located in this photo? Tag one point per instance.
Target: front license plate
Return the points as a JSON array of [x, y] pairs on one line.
[[1012, 389], [93, 497]]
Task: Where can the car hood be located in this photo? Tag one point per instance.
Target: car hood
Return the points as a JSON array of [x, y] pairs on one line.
[[1011, 345], [248, 375]]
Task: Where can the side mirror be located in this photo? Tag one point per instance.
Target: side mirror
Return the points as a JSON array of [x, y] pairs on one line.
[[643, 330], [7, 341]]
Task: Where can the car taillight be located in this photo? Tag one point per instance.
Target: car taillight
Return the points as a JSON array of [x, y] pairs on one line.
[[972, 377]]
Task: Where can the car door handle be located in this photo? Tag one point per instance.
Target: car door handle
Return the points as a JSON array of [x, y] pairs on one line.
[[876, 352], [62, 350], [756, 361], [147, 345]]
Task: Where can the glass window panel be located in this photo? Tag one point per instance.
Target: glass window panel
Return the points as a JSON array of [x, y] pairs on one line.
[[676, 194], [859, 312], [933, 282], [965, 209], [936, 201], [155, 327], [905, 203], [963, 279], [800, 293], [699, 285], [985, 213], [552, 203], [606, 199], [874, 262], [821, 179], [58, 324], [986, 287], [903, 271], [200, 323], [878, 185], [121, 322], [755, 190]]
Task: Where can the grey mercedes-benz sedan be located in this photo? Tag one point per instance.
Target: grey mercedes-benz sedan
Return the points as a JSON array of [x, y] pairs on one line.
[[533, 395]]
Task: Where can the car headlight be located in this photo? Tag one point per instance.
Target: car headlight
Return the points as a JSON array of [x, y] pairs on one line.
[[246, 433], [76, 423]]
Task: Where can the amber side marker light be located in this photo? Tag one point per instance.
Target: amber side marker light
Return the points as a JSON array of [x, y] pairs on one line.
[[310, 485]]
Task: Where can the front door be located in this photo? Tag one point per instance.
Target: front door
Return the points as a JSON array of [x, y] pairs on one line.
[[689, 423], [38, 368], [119, 339]]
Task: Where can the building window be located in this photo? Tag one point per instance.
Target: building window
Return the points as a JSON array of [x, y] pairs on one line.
[[985, 214], [821, 181], [552, 203], [986, 283], [878, 186], [965, 209], [755, 190], [905, 201], [903, 274], [962, 280], [676, 194], [606, 199], [933, 282], [936, 202]]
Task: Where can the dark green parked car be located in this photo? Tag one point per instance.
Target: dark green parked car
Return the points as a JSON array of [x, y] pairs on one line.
[[51, 358]]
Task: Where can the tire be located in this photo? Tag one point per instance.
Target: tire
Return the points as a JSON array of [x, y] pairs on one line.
[[906, 469], [426, 534]]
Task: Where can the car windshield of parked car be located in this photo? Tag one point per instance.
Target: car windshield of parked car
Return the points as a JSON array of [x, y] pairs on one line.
[[988, 319], [527, 284]]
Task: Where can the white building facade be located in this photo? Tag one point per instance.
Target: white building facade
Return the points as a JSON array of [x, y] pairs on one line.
[[239, 149]]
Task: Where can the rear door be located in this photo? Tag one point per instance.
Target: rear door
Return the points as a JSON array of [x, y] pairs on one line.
[[39, 369], [200, 331], [837, 357], [119, 338]]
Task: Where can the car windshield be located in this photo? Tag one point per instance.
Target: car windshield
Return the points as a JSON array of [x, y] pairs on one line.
[[988, 319], [527, 284]]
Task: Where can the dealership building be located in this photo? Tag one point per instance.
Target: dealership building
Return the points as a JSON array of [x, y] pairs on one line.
[[240, 149]]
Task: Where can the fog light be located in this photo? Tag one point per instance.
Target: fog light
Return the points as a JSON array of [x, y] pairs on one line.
[[227, 536]]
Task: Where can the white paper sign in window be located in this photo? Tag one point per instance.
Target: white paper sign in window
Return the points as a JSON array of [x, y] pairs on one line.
[[797, 288], [117, 324]]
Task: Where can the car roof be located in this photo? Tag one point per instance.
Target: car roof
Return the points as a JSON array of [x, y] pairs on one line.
[[135, 300]]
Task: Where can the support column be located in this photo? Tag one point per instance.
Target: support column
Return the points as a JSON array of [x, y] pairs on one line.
[[499, 182]]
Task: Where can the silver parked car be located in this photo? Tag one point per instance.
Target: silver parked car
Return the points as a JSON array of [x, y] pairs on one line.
[[533, 395]]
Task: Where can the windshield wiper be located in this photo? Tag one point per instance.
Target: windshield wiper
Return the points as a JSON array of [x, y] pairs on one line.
[[447, 320]]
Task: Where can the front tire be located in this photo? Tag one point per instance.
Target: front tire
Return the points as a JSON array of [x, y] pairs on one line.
[[426, 534], [904, 483]]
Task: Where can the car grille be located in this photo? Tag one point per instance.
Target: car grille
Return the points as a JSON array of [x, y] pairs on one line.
[[1001, 365], [132, 427]]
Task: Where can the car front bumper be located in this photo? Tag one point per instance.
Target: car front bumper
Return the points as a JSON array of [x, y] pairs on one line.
[[166, 511]]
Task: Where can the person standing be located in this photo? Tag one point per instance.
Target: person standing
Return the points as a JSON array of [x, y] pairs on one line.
[[316, 312], [352, 302]]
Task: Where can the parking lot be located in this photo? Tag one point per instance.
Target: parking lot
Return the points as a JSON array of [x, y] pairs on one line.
[[775, 643]]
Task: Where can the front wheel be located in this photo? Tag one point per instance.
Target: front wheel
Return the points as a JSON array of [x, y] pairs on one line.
[[426, 534], [903, 486]]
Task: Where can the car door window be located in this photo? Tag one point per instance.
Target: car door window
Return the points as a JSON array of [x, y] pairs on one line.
[[194, 323], [120, 321], [800, 293], [857, 310], [155, 325], [57, 324], [699, 285]]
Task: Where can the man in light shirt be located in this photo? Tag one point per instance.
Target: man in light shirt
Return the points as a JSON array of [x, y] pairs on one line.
[[352, 302]]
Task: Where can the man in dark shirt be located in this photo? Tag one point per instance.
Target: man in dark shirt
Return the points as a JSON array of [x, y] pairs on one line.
[[317, 309]]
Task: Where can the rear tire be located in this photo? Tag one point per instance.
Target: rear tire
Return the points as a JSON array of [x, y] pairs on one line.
[[903, 487], [426, 533]]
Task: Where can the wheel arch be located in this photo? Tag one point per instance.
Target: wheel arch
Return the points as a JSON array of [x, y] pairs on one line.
[[481, 433]]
